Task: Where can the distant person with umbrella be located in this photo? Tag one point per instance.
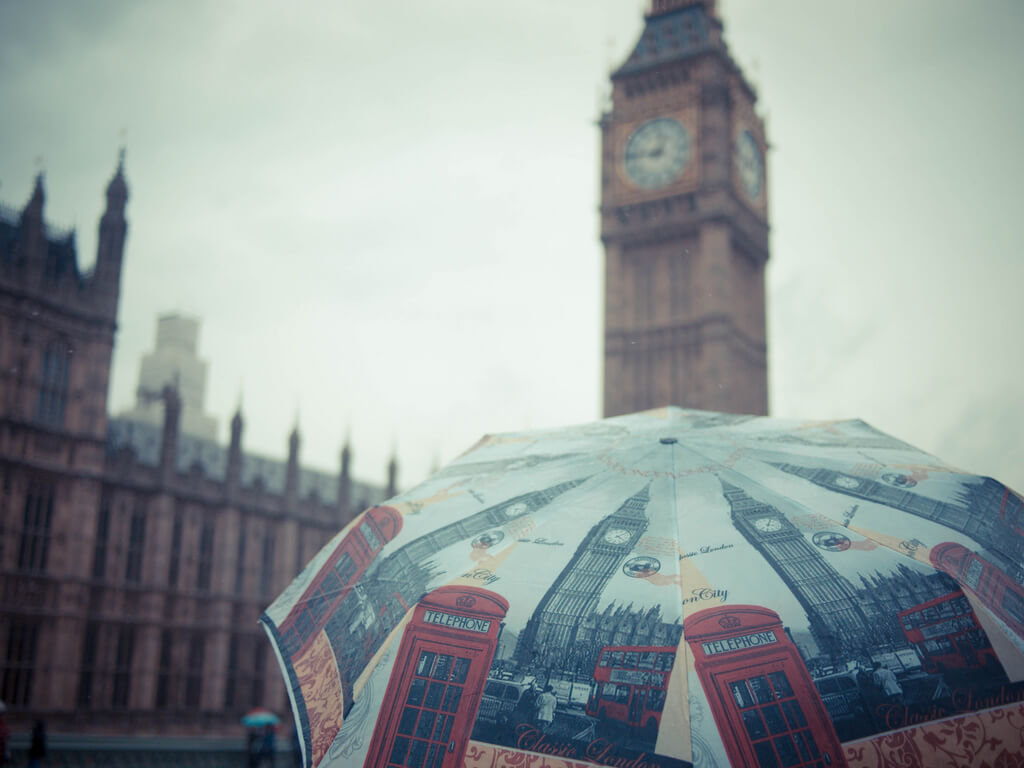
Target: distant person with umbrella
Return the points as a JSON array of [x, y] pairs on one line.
[[252, 747], [37, 747], [5, 735], [261, 739], [268, 745]]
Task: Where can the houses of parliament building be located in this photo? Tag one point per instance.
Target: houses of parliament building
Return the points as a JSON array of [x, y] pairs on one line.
[[135, 557], [136, 553]]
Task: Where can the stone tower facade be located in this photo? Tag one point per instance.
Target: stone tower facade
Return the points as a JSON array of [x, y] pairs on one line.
[[174, 361], [684, 222], [57, 327]]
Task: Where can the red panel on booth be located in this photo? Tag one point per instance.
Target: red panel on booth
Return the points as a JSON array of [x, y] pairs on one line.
[[337, 576], [764, 702], [989, 583], [434, 692]]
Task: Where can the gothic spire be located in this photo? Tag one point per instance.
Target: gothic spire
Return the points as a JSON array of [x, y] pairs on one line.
[[393, 474], [117, 189], [636, 505]]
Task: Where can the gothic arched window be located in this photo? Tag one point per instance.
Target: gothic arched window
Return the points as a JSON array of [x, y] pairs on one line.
[[205, 570], [35, 529], [53, 384], [136, 545]]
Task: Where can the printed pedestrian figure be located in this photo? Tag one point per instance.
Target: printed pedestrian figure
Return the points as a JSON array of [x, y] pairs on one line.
[[870, 696], [37, 747], [887, 683], [545, 708], [526, 707]]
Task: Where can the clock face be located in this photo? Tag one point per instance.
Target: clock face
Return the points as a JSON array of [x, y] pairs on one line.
[[900, 481], [657, 153], [489, 539], [768, 524], [617, 536], [846, 482], [517, 509], [749, 166]]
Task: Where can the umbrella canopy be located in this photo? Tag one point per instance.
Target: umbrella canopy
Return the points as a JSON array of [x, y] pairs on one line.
[[669, 588], [257, 718]]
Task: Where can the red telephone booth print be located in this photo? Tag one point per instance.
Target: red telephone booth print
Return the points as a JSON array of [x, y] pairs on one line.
[[337, 576], [765, 705], [432, 697], [993, 587]]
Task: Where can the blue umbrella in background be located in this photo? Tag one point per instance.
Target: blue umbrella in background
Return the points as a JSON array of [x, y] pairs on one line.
[[257, 718]]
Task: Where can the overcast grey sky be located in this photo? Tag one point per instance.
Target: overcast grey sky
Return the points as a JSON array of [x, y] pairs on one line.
[[385, 214]]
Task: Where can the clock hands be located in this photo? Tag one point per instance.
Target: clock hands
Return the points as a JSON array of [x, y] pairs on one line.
[[656, 153], [650, 153]]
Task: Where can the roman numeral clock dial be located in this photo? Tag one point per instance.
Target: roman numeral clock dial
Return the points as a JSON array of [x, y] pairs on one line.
[[768, 524], [656, 153], [749, 165], [617, 536]]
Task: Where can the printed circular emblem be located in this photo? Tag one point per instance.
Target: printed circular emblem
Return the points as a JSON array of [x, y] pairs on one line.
[[830, 541], [641, 567], [900, 481], [489, 539]]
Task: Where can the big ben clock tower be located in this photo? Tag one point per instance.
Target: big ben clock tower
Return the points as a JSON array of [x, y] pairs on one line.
[[684, 222], [575, 594], [836, 618]]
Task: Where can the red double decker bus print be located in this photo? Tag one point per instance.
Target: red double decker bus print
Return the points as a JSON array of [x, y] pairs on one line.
[[337, 576], [946, 634], [629, 685], [997, 591]]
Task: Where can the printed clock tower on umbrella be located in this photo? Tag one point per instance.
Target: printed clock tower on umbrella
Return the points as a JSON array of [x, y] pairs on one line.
[[575, 594], [830, 600]]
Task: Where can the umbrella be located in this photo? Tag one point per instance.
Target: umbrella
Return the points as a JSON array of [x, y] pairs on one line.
[[257, 718], [669, 588]]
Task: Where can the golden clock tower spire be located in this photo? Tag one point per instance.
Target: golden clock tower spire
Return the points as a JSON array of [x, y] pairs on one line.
[[684, 222]]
